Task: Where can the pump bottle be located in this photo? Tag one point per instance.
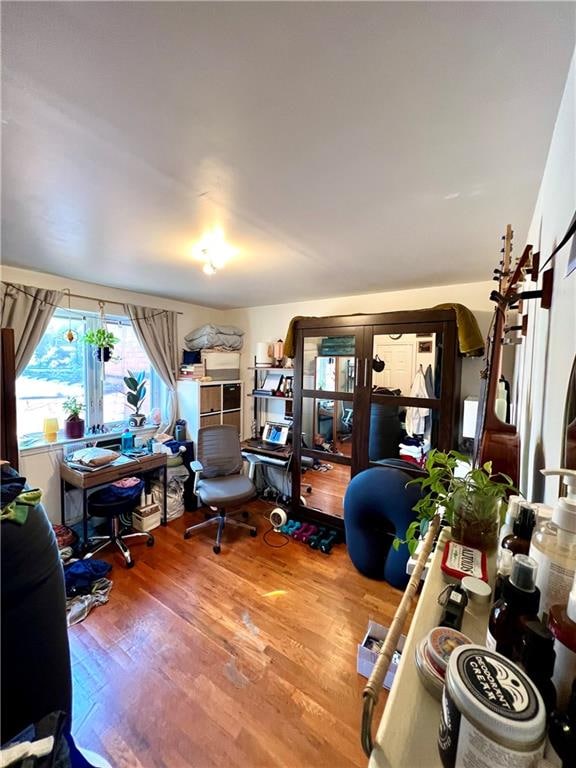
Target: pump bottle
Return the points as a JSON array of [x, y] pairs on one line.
[[518, 542], [553, 546], [562, 624]]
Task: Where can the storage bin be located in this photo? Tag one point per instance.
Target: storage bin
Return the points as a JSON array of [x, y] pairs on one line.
[[146, 518], [222, 366]]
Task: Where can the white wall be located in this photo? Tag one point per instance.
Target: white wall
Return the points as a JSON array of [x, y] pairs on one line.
[[270, 323], [545, 360], [192, 315]]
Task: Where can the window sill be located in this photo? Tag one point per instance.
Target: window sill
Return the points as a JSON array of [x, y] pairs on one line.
[[39, 445]]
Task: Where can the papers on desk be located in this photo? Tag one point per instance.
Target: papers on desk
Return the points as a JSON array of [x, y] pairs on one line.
[[121, 460]]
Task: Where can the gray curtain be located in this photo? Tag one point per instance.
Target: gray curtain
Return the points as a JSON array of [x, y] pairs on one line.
[[157, 332], [28, 311]]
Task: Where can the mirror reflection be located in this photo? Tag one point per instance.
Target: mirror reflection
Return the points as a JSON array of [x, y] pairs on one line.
[[327, 425], [392, 434], [407, 364], [329, 363]]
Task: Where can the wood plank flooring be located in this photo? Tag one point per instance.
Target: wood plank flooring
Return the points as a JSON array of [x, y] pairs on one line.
[[247, 658]]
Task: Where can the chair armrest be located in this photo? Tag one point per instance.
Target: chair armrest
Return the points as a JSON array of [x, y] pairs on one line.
[[252, 460], [196, 467]]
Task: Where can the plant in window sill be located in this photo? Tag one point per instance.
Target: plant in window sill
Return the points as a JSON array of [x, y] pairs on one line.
[[136, 384], [73, 425], [471, 502], [103, 342]]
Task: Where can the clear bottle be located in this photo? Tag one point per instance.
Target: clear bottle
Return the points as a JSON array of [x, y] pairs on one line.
[[504, 569], [561, 747], [553, 547], [562, 624], [520, 599], [511, 514]]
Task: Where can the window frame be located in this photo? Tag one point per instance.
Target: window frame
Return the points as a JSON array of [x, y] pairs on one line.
[[93, 383]]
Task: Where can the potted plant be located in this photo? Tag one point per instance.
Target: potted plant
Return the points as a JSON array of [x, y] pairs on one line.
[[136, 384], [103, 340], [73, 425], [471, 500]]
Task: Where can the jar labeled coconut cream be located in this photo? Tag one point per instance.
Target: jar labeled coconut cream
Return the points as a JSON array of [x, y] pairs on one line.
[[492, 715]]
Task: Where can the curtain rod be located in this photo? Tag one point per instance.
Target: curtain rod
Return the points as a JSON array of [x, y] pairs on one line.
[[110, 301]]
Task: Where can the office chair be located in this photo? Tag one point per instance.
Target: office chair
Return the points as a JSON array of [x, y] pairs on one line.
[[112, 511], [218, 479]]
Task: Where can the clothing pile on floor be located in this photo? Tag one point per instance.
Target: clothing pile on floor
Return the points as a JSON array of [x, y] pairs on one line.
[[86, 588]]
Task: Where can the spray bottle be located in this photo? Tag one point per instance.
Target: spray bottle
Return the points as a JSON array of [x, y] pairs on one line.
[[553, 546]]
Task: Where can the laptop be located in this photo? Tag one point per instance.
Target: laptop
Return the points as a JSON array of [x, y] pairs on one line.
[[274, 436]]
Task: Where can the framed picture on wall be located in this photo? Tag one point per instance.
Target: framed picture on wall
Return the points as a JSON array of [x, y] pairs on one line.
[[424, 347]]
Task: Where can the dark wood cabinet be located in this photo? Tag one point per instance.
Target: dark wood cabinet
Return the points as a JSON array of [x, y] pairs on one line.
[[353, 412]]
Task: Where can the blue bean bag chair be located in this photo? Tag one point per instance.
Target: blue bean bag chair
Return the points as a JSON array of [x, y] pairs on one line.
[[377, 507]]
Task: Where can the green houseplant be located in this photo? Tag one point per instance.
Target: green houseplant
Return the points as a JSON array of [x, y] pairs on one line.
[[471, 499], [103, 341], [136, 383], [73, 425]]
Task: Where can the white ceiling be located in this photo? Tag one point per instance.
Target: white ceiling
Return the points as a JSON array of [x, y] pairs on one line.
[[344, 147]]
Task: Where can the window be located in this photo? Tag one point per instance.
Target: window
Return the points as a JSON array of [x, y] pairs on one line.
[[60, 369]]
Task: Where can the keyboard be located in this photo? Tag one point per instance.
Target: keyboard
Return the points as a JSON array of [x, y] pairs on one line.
[[264, 446]]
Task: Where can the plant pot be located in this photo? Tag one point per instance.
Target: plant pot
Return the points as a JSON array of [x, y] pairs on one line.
[[136, 420], [476, 521], [103, 354], [74, 428]]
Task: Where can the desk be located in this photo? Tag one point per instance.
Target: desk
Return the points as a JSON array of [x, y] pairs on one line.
[[88, 481], [279, 458], [408, 731]]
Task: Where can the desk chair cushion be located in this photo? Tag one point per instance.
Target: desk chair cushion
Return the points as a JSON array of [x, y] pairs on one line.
[[228, 491]]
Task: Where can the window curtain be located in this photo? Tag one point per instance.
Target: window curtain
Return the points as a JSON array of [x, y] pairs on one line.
[[28, 311], [157, 332]]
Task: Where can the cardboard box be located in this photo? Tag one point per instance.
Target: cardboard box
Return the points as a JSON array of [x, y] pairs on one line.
[[367, 656], [146, 518]]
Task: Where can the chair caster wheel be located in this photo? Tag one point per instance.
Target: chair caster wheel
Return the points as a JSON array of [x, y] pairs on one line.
[[150, 542], [216, 549], [253, 532], [187, 534], [130, 563], [245, 515]]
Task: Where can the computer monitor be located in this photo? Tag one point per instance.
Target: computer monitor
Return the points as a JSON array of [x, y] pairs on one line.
[[275, 434]]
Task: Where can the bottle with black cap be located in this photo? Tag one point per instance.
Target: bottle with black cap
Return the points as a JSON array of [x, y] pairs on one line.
[[518, 542], [538, 657], [520, 598]]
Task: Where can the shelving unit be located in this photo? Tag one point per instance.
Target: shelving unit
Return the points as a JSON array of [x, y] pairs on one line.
[[205, 404], [259, 374]]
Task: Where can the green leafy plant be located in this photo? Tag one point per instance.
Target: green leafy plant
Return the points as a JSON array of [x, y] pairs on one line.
[[72, 407], [101, 338], [475, 492], [136, 384]]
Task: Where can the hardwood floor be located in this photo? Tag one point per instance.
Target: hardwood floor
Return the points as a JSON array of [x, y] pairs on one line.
[[328, 488], [247, 658]]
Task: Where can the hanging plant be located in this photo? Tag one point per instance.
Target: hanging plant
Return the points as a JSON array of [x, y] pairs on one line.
[[103, 342]]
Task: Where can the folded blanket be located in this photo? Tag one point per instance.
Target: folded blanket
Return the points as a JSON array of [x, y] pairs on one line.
[[224, 330], [470, 340]]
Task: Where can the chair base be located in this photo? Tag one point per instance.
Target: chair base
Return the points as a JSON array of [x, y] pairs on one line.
[[115, 537], [221, 519]]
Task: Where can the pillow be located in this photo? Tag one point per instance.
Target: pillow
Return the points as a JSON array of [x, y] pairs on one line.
[[225, 330], [95, 457]]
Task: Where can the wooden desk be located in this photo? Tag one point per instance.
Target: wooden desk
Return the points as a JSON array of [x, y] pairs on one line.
[[89, 481]]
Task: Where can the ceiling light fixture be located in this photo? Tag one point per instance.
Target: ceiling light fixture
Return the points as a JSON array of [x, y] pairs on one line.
[[214, 251]]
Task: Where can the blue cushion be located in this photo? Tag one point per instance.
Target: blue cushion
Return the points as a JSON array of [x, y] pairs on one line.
[[377, 507]]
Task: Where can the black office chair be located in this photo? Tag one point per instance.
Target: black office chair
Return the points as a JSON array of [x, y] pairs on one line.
[[218, 480], [101, 505]]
